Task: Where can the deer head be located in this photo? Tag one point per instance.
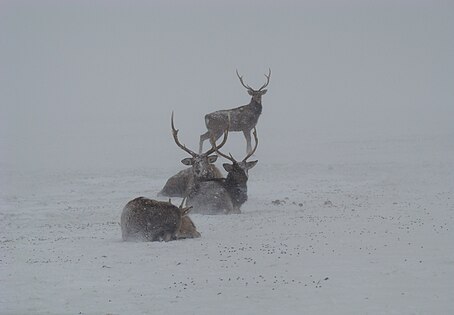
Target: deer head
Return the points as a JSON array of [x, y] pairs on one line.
[[256, 94], [199, 162], [187, 228]]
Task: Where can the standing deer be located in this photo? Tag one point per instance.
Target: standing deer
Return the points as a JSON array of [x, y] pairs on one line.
[[204, 195], [237, 176], [243, 118], [146, 219]]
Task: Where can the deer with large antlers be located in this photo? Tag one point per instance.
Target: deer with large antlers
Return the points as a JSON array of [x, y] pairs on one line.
[[235, 183], [204, 195], [201, 166], [243, 118]]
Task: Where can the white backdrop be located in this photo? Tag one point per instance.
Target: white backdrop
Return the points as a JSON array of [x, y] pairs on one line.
[[92, 84]]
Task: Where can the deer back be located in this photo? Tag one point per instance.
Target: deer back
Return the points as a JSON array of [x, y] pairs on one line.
[[177, 185]]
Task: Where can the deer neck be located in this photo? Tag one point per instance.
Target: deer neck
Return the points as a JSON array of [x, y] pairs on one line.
[[237, 189], [235, 180], [256, 106]]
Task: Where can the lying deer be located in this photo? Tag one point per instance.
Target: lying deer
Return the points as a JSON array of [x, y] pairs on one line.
[[243, 118], [237, 176], [146, 219], [201, 166], [206, 196]]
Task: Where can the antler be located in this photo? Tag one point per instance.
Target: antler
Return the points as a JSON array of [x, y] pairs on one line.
[[175, 137], [242, 83], [184, 210], [255, 148], [267, 79], [230, 158], [182, 202]]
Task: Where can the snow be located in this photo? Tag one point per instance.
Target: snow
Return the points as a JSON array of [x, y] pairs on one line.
[[364, 228]]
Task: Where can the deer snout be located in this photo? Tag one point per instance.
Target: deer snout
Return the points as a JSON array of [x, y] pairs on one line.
[[197, 171], [200, 171]]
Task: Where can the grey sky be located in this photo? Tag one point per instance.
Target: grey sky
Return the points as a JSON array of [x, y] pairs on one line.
[[86, 84]]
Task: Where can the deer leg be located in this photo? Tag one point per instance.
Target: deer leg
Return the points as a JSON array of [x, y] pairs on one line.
[[247, 135], [203, 137], [216, 136]]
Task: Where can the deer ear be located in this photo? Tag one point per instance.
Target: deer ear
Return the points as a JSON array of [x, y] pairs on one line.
[[212, 158], [228, 167], [251, 93], [251, 164], [264, 91], [187, 161]]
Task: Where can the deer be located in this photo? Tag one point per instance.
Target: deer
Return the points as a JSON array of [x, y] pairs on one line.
[[144, 219], [205, 195], [237, 176], [243, 118], [201, 166]]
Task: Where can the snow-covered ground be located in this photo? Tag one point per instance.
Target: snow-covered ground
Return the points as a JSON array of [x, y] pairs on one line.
[[360, 228]]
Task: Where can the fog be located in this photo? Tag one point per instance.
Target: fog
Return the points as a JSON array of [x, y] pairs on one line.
[[86, 85]]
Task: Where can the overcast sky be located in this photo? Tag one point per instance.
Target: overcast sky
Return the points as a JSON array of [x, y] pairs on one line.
[[88, 84]]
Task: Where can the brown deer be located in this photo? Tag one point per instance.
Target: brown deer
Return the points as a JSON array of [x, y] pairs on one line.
[[237, 176], [178, 184], [146, 219], [206, 196], [202, 167], [243, 118]]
